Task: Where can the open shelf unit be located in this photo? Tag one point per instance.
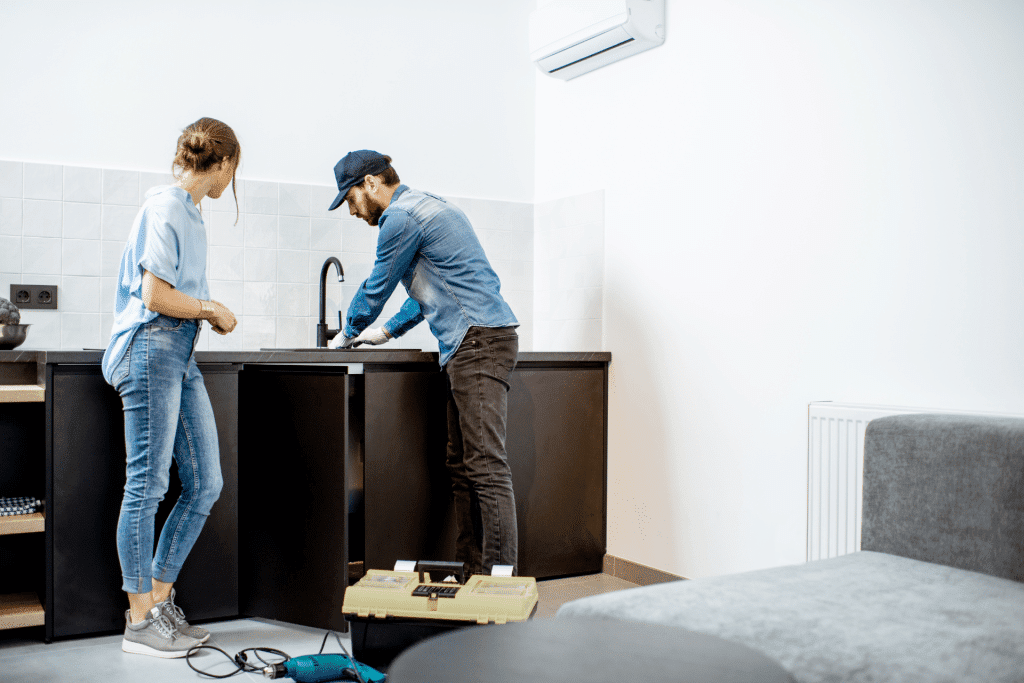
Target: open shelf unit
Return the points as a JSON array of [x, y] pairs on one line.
[[19, 608]]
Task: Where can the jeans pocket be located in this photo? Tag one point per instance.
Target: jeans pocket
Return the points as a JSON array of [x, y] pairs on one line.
[[165, 322], [504, 350], [123, 367]]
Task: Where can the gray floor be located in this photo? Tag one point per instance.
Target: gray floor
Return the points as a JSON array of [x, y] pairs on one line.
[[100, 659]]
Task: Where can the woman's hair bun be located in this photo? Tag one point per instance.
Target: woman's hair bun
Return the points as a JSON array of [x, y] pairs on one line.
[[198, 143], [204, 144]]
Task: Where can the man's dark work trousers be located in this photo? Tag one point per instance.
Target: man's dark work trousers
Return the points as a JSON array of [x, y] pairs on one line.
[[479, 376]]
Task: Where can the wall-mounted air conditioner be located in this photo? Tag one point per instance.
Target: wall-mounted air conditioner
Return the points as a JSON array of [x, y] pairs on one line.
[[572, 37]]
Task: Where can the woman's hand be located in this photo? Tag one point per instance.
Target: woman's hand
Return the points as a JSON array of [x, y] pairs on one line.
[[223, 320], [158, 295]]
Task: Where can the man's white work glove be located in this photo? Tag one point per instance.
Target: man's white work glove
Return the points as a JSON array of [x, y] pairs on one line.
[[339, 341], [372, 336]]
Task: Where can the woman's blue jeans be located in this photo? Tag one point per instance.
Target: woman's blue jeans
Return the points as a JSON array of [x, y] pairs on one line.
[[167, 413]]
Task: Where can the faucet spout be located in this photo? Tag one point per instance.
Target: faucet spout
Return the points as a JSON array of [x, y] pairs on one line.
[[323, 334]]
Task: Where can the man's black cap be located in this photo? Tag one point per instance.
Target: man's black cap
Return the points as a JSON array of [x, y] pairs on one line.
[[353, 168]]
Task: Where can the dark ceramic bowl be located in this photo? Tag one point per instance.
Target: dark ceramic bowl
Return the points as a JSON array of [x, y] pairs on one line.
[[11, 336]]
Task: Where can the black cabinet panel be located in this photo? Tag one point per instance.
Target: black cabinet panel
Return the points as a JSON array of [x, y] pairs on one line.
[[88, 484], [407, 488], [556, 447], [293, 502], [207, 586], [88, 470]]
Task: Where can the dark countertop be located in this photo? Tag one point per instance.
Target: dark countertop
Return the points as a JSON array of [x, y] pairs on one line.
[[16, 366], [332, 356]]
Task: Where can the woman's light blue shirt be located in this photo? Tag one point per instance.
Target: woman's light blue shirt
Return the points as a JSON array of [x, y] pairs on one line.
[[168, 238]]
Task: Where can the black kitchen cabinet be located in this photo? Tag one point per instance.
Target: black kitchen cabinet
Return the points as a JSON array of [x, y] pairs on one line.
[[294, 500], [86, 470], [328, 471], [555, 442]]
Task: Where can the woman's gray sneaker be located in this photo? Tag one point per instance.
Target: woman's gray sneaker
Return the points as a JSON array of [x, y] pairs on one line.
[[177, 617], [156, 635]]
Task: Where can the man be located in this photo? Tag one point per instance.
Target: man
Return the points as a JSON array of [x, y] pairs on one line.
[[429, 246]]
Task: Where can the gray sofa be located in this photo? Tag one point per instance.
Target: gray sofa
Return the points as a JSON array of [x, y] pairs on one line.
[[935, 594]]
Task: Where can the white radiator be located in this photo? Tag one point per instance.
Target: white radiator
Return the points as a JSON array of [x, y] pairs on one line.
[[835, 471], [835, 474]]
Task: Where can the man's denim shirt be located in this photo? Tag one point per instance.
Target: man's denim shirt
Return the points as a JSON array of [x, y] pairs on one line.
[[429, 246]]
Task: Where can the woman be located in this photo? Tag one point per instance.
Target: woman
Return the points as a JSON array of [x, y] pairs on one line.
[[162, 299]]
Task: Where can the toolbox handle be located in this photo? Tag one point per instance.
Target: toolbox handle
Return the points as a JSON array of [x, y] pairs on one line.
[[458, 568]]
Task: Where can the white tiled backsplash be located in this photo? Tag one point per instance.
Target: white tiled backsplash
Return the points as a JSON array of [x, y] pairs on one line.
[[67, 225], [569, 273]]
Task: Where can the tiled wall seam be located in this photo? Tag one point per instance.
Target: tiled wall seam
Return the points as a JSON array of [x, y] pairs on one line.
[[67, 225]]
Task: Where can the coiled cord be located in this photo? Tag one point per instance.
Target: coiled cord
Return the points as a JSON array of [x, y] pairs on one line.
[[241, 659]]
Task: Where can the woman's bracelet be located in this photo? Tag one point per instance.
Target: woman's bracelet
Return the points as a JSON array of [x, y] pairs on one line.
[[205, 309]]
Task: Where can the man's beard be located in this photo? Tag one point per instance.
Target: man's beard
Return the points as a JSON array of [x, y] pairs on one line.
[[374, 211]]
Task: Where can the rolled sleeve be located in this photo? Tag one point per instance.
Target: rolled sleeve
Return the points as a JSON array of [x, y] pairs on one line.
[[161, 247], [397, 244], [408, 317]]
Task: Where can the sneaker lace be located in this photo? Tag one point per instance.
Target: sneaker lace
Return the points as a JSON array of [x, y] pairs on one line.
[[176, 612], [164, 626]]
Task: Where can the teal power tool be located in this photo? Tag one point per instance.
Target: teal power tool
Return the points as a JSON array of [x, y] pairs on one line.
[[323, 668]]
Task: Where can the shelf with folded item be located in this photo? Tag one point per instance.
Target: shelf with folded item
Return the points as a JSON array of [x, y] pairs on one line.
[[19, 610], [22, 393], [23, 524]]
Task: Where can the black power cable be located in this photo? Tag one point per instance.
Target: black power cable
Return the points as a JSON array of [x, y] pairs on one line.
[[240, 660], [354, 669]]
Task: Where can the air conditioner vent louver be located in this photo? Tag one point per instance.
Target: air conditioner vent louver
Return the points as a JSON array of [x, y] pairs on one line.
[[599, 44], [627, 40]]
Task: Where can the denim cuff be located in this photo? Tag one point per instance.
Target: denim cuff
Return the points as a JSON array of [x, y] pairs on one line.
[[163, 574], [136, 584]]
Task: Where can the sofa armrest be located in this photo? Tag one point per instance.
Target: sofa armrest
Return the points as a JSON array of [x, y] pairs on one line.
[[947, 489]]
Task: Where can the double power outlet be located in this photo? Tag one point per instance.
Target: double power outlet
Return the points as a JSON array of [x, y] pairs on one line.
[[34, 296]]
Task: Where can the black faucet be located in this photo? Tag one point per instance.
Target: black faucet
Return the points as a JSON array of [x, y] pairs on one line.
[[323, 335]]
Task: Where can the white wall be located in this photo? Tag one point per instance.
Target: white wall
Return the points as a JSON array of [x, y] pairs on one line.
[[804, 201], [445, 88], [94, 93]]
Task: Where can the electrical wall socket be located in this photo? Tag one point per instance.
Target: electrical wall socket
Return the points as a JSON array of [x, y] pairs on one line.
[[34, 296]]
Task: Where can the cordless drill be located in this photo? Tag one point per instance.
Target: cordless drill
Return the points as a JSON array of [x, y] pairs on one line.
[[322, 668]]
